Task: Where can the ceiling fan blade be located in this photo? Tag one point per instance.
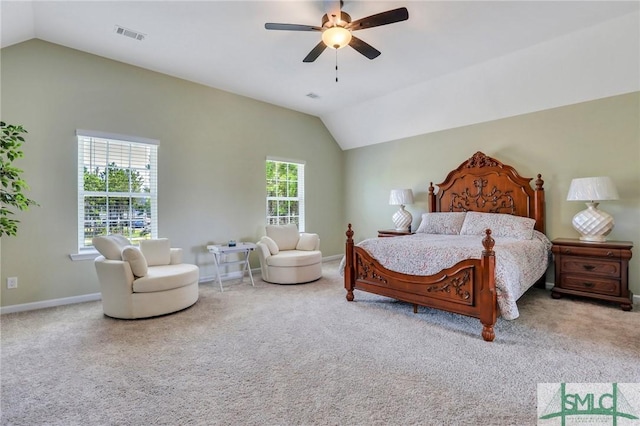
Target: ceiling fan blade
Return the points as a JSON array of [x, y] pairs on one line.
[[365, 48], [313, 55], [384, 18], [291, 27]]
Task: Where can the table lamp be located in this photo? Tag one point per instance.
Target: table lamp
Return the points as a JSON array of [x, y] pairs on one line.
[[402, 218], [592, 224]]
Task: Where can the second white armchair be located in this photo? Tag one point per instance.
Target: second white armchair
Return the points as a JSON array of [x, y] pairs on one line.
[[288, 256]]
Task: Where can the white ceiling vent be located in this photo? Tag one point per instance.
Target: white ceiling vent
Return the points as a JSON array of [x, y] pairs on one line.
[[129, 33]]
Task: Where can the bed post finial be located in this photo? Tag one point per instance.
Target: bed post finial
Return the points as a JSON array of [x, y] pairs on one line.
[[432, 198], [488, 242]]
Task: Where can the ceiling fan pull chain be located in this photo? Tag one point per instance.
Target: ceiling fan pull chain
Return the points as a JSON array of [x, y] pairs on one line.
[[336, 65]]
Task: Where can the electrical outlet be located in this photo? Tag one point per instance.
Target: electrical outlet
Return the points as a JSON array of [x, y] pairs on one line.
[[12, 282]]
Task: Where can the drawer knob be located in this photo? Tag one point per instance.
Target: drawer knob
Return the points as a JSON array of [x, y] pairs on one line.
[[589, 267], [567, 251], [588, 285], [609, 254]]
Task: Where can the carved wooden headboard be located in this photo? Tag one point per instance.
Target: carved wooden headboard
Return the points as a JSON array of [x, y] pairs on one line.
[[484, 184]]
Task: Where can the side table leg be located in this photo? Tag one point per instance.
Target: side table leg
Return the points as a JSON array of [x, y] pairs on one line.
[[247, 267], [215, 258]]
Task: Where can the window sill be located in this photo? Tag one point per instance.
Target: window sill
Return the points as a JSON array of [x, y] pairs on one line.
[[85, 255]]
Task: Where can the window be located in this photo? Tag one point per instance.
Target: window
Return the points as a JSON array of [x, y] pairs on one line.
[[117, 187], [285, 192]]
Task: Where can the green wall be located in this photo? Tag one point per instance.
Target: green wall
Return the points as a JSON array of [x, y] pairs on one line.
[[211, 161], [213, 147], [594, 138]]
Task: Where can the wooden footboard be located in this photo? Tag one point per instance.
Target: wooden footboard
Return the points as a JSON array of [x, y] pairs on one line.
[[467, 288]]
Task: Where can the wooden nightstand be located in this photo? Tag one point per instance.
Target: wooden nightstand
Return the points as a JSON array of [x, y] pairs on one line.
[[593, 269], [393, 233]]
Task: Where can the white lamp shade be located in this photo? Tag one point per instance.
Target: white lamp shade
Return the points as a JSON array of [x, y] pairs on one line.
[[592, 189], [401, 197]]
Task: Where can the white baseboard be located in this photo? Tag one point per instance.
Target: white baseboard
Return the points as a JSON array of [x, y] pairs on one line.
[[97, 296], [636, 297], [334, 257], [50, 303], [230, 276]]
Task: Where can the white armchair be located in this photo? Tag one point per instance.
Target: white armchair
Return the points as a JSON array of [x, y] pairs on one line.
[[288, 256], [143, 282]]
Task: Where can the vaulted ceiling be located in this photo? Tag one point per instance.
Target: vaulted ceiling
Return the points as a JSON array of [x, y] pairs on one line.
[[451, 63]]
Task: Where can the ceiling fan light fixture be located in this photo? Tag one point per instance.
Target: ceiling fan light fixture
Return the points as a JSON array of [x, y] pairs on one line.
[[336, 37]]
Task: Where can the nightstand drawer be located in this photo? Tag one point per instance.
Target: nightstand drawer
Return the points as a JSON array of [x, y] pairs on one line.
[[609, 253], [590, 265], [592, 285]]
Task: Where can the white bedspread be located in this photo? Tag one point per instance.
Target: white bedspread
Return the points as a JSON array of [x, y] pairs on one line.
[[519, 263]]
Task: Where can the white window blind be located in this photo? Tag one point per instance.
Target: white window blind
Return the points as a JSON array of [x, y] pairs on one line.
[[117, 187], [285, 192]]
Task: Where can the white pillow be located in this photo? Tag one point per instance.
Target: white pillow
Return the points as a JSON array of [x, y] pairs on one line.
[[136, 260], [110, 246], [307, 242], [121, 240], [447, 223], [271, 245], [157, 252], [501, 225], [285, 236]]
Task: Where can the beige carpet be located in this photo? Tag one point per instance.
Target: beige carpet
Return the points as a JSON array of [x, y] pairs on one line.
[[302, 355]]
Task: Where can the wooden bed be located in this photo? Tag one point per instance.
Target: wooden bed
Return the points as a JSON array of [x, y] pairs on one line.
[[481, 184]]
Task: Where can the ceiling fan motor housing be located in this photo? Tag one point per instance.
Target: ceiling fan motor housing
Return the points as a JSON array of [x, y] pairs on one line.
[[327, 22]]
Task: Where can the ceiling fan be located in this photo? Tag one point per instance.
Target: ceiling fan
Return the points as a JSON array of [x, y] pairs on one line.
[[337, 27]]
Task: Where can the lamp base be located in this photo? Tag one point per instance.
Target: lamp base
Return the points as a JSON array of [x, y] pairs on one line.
[[402, 219], [596, 239], [593, 224]]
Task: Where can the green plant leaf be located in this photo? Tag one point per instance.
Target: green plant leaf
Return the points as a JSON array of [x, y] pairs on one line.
[[11, 197]]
